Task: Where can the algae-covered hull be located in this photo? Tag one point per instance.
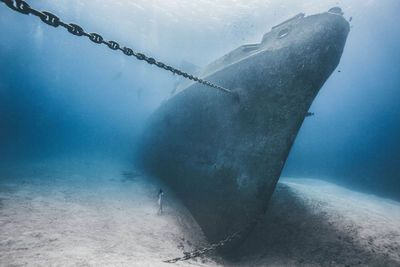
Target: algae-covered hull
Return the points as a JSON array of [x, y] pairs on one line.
[[223, 155]]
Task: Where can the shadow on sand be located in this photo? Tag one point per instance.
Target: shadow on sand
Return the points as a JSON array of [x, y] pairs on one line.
[[295, 233]]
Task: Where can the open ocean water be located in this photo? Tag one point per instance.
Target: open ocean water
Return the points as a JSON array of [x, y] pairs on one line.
[[72, 113]]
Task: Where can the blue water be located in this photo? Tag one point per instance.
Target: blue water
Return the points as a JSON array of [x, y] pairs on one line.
[[62, 96]]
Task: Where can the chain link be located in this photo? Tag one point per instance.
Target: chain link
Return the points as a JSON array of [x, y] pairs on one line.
[[202, 251], [229, 239], [52, 20]]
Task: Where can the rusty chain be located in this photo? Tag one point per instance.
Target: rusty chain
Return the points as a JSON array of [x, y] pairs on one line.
[[49, 18]]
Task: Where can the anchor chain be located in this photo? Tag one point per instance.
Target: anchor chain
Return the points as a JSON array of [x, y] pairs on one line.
[[202, 251], [50, 19], [230, 238]]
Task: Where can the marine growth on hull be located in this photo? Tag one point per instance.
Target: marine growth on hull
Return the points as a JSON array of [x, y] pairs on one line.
[[223, 155]]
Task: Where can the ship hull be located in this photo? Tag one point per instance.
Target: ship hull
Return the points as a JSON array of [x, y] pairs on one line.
[[223, 155]]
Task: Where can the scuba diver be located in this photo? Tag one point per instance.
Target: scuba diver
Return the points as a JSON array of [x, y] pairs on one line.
[[160, 201]]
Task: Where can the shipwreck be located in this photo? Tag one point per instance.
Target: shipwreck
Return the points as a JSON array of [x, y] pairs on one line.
[[222, 153]]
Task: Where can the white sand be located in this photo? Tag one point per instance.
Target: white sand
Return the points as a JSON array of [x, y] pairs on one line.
[[98, 214], [90, 215]]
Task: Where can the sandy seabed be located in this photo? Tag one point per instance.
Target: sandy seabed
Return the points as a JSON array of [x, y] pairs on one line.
[[101, 214]]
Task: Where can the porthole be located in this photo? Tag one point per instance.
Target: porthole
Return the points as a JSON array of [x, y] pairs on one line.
[[283, 33]]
